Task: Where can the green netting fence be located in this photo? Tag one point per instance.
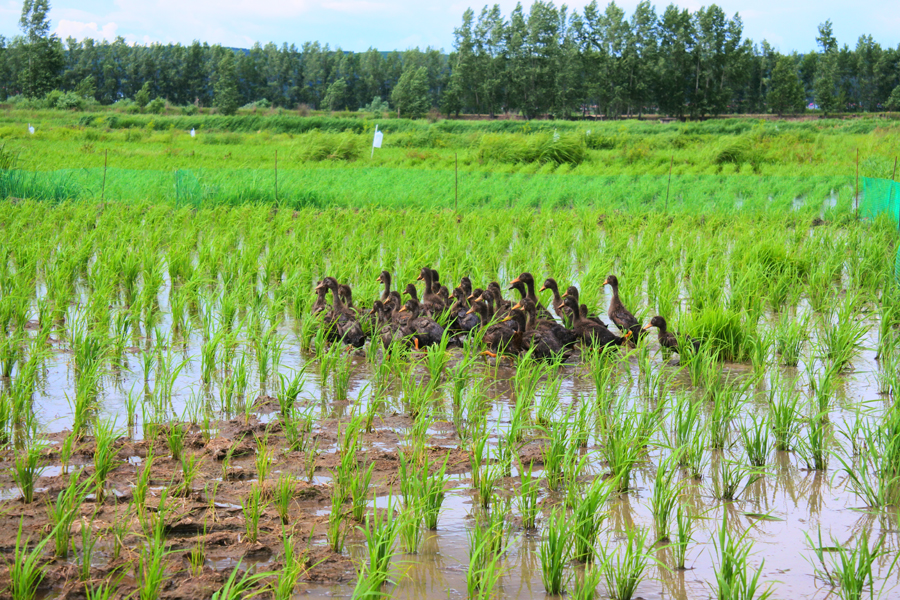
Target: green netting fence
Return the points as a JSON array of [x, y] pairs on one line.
[[879, 196], [360, 186]]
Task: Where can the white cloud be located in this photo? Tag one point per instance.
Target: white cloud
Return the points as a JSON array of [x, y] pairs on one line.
[[80, 30]]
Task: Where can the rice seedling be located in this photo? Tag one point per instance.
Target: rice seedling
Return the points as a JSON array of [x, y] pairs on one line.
[[175, 440], [527, 498], [790, 335], [784, 415], [283, 494], [359, 492], [624, 570], [850, 570], [336, 532], [588, 518], [410, 530], [734, 578], [26, 468], [727, 477], [664, 497], [623, 446], [485, 555], [197, 556], [755, 436], [684, 528], [841, 332], [103, 590], [381, 535], [253, 507], [88, 541], [814, 447], [236, 588], [263, 459], [585, 586], [26, 571], [555, 550], [105, 453], [150, 570], [289, 575]]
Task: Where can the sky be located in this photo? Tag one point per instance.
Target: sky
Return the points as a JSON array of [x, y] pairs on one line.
[[357, 25]]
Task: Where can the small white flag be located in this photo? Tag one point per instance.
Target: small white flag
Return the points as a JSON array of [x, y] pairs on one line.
[[376, 143], [30, 129], [193, 133], [555, 135]]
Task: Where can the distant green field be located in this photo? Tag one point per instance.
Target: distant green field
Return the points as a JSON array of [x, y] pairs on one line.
[[722, 164]]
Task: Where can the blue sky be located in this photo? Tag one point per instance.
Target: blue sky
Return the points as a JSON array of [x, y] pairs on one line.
[[400, 24]]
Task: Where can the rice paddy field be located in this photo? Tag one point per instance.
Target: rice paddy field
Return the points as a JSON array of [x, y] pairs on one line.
[[177, 423]]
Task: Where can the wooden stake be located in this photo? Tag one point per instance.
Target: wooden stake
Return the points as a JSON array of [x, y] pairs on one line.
[[456, 185], [857, 184], [894, 173], [105, 160], [669, 185], [276, 176]]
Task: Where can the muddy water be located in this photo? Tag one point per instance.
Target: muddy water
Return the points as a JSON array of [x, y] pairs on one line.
[[797, 502]]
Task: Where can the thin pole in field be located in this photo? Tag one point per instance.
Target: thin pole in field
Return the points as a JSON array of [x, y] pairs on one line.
[[857, 184], [891, 193], [276, 176], [456, 185], [894, 173], [669, 185], [105, 159]]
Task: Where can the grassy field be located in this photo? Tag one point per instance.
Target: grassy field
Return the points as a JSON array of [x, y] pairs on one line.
[[554, 164], [174, 422]]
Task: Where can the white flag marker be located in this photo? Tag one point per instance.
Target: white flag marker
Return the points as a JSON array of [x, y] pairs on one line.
[[193, 133], [376, 141], [30, 129]]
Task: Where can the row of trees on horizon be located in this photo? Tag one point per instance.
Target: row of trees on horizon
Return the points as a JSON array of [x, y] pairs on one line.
[[534, 62]]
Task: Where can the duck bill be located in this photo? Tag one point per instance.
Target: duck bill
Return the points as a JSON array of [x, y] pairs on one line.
[[419, 278], [471, 311], [505, 319], [543, 287], [606, 282], [646, 327], [402, 309], [518, 306], [627, 334]]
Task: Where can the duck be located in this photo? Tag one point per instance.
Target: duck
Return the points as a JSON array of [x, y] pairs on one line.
[[499, 303], [460, 320], [539, 341], [347, 296], [384, 323], [385, 278], [572, 292], [423, 331], [590, 332], [669, 340], [617, 312], [466, 284], [320, 304], [431, 303], [497, 336], [341, 321], [565, 337], [557, 302], [528, 279]]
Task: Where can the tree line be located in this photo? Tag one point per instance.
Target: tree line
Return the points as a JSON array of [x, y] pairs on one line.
[[544, 60]]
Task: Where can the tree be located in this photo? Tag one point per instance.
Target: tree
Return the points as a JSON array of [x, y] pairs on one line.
[[335, 97], [87, 88], [410, 95], [44, 58], [893, 103], [225, 92], [142, 98], [785, 90]]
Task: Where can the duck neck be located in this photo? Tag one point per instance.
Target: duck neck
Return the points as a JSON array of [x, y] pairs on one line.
[[387, 288], [336, 300], [429, 282], [556, 297], [531, 295]]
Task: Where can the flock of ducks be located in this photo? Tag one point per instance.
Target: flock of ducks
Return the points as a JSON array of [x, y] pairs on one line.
[[502, 326]]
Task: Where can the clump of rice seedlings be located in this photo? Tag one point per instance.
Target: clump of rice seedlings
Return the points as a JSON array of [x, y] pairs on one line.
[[142, 484], [664, 498], [87, 550], [727, 477], [588, 518], [527, 499], [726, 403], [410, 528], [431, 492], [381, 534], [760, 346], [62, 513], [734, 579], [585, 586], [336, 531], [624, 570], [684, 529], [150, 570], [238, 588], [103, 590], [624, 446], [359, 491], [790, 335], [105, 437], [190, 467], [175, 440], [850, 570], [341, 378], [283, 494], [26, 468], [253, 507], [555, 454], [841, 332], [784, 415], [26, 571], [549, 402], [197, 556], [289, 575], [755, 437], [263, 459], [484, 570], [290, 389], [814, 447], [875, 474], [555, 550]]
